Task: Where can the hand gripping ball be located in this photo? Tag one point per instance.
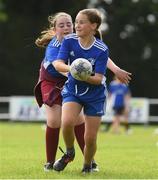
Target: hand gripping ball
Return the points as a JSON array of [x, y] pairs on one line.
[[81, 69]]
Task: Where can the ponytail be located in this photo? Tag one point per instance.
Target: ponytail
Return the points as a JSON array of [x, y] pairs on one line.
[[98, 35], [45, 38]]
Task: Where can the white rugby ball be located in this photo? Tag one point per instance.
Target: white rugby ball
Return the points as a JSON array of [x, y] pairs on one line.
[[81, 69]]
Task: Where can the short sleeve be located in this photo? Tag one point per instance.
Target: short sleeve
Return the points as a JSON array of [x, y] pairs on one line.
[[51, 53], [64, 51]]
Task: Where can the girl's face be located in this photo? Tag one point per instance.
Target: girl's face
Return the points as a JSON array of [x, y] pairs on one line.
[[63, 27], [83, 26]]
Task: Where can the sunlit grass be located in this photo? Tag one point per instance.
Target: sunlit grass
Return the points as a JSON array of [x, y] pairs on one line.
[[22, 154]]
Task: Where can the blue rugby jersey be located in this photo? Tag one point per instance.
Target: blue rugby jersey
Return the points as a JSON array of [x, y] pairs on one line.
[[51, 54], [118, 92], [97, 54]]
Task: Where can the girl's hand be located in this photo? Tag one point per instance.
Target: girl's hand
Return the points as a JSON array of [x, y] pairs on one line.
[[123, 75]]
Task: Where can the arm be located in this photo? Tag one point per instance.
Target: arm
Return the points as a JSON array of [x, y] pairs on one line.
[[96, 79], [121, 74], [64, 74], [64, 68], [61, 66]]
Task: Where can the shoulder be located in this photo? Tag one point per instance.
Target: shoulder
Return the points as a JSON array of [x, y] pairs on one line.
[[125, 86], [71, 36], [115, 85], [112, 83], [100, 45], [54, 43]]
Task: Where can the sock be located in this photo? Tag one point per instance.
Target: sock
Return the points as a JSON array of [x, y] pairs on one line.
[[70, 151], [52, 139], [126, 124], [79, 133], [87, 166]]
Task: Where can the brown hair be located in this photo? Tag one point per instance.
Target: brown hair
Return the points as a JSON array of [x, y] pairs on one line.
[[94, 16], [49, 33]]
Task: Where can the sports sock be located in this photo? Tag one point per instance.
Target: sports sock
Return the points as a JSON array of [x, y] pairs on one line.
[[127, 126], [79, 133], [70, 151], [52, 139]]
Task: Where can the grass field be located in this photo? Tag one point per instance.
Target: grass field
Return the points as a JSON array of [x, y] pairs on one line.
[[22, 154]]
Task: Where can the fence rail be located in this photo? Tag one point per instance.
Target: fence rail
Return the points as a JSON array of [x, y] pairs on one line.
[[5, 109], [153, 118]]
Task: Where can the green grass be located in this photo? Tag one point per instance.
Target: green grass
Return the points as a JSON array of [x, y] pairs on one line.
[[22, 154]]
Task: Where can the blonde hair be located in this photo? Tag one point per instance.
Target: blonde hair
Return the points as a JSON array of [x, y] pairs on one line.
[[94, 16], [49, 33]]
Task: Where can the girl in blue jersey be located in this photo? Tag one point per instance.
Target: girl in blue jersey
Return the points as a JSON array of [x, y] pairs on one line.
[[88, 94], [48, 89], [120, 96]]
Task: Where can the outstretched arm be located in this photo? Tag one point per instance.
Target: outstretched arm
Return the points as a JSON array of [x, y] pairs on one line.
[[121, 74]]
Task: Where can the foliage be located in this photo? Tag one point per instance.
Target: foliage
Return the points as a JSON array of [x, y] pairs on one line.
[[131, 36], [133, 41], [20, 57], [3, 15]]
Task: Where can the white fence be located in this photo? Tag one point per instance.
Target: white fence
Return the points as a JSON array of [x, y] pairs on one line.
[[24, 108], [138, 111]]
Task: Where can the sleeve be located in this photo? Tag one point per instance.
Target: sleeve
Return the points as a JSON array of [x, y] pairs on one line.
[[51, 53], [64, 51], [101, 62], [128, 90]]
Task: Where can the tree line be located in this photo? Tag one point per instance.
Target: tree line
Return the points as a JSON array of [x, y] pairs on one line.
[[130, 31]]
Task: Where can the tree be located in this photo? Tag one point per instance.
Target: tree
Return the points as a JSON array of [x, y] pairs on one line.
[[133, 40], [20, 57], [131, 34]]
